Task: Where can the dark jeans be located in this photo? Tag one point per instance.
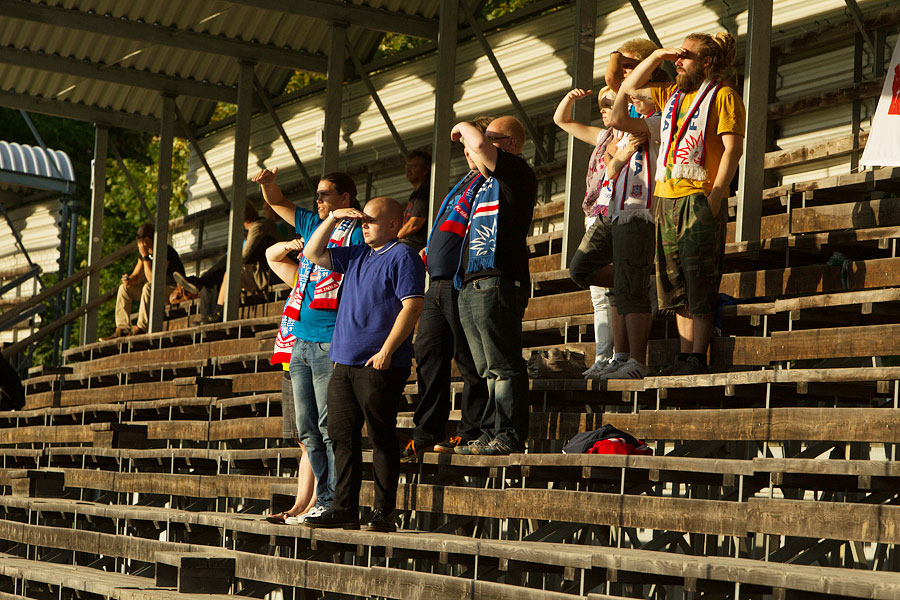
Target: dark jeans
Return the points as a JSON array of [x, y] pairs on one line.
[[491, 311], [439, 339], [357, 395]]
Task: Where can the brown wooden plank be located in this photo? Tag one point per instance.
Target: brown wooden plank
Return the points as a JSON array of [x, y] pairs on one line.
[[864, 274], [760, 424], [830, 520], [543, 264], [836, 342], [771, 226], [246, 428], [559, 305], [664, 513], [856, 215]]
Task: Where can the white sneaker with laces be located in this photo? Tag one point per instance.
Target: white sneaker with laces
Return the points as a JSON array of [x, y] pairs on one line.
[[315, 511], [601, 367], [630, 369]]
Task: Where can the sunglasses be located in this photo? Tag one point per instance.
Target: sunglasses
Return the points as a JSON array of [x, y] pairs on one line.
[[494, 137]]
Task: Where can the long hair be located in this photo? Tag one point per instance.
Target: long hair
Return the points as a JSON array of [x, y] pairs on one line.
[[721, 48]]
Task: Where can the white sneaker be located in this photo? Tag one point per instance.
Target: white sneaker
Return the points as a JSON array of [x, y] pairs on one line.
[[601, 367], [630, 369], [315, 511]]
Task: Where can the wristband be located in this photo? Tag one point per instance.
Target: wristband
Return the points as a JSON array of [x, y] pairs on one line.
[[615, 52], [147, 258]]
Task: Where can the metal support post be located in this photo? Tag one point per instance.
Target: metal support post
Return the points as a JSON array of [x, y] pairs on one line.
[[857, 16], [131, 182], [333, 97], [651, 33], [51, 158], [756, 100], [70, 267], [95, 233], [443, 104], [856, 105], [238, 192], [158, 292], [374, 93], [263, 96], [199, 152], [578, 153], [486, 48]]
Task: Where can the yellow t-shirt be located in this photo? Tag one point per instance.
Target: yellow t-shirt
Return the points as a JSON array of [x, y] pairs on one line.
[[729, 117]]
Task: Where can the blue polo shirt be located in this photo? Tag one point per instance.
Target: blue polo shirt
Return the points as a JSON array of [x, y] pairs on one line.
[[316, 324], [374, 286]]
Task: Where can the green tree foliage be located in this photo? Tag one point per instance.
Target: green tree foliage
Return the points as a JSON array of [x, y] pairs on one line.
[[122, 211]]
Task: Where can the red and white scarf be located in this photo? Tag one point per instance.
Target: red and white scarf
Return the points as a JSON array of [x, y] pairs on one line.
[[684, 148], [325, 293], [630, 192]]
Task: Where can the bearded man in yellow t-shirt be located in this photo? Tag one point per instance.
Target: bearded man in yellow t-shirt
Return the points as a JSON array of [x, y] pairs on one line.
[[702, 131]]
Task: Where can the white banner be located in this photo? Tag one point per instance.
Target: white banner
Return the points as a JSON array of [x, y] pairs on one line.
[[883, 147]]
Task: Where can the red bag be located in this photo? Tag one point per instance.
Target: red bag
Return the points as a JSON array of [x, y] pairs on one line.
[[619, 446]]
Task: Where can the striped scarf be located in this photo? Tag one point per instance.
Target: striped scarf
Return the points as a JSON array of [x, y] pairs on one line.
[[325, 293], [482, 230], [686, 146]]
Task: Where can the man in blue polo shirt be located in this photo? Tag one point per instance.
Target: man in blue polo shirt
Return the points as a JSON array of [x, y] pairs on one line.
[[372, 350], [312, 310]]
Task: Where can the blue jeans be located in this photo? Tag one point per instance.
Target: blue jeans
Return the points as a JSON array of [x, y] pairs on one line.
[[491, 311], [311, 370]]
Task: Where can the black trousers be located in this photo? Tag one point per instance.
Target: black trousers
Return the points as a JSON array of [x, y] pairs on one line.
[[358, 395], [439, 339]]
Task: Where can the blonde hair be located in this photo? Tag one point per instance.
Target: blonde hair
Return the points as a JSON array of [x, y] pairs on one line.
[[605, 92], [721, 48], [639, 47], [481, 123]]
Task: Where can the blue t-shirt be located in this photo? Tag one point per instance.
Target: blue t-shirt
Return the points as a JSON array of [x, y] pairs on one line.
[[444, 246], [375, 284], [316, 324]]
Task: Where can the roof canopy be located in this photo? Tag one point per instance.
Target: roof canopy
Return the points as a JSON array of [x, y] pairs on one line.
[[110, 62], [32, 167]]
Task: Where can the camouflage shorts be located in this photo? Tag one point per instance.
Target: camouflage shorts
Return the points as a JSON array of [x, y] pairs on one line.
[[690, 250]]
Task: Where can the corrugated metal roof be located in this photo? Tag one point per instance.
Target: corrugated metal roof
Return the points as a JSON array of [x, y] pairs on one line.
[[32, 160], [223, 20], [535, 56]]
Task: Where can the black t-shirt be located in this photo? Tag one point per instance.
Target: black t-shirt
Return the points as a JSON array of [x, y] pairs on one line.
[[417, 206], [518, 194], [175, 264], [444, 246]]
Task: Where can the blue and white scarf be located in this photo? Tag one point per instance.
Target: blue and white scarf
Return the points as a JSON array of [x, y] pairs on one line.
[[457, 222], [482, 230]]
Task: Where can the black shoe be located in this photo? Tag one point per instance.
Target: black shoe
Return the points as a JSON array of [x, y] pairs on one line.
[[379, 520], [412, 452], [333, 519]]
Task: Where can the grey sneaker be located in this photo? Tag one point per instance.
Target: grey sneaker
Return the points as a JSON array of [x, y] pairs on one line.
[[630, 369], [602, 367], [473, 447], [498, 447], [185, 283]]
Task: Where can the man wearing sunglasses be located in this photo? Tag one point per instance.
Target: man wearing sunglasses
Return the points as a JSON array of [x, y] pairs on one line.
[[493, 279]]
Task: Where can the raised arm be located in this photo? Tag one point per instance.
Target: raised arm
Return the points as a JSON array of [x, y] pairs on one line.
[[277, 257], [316, 248], [636, 82], [271, 193], [563, 118], [403, 326], [481, 149]]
